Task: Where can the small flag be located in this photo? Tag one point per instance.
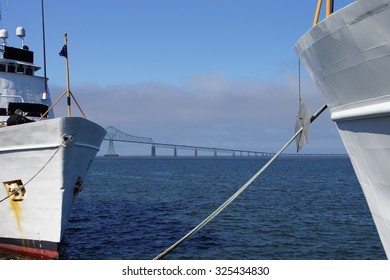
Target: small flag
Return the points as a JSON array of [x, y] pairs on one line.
[[64, 51]]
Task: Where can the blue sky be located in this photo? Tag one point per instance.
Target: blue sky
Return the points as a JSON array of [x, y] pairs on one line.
[[218, 73]]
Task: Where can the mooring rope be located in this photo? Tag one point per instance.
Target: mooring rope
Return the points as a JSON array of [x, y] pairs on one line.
[[235, 195], [65, 138]]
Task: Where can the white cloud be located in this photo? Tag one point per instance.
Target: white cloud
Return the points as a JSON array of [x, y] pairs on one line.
[[209, 110]]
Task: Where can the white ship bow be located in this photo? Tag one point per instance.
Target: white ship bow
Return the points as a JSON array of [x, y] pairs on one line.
[[348, 56], [43, 160], [52, 158]]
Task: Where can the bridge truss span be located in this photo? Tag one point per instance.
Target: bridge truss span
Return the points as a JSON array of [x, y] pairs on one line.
[[114, 134]]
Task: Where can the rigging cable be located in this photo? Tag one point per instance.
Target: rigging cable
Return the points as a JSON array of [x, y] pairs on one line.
[[65, 138], [236, 194]]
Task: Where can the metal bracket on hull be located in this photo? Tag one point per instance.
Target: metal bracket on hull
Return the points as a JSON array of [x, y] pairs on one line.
[[15, 189], [19, 186]]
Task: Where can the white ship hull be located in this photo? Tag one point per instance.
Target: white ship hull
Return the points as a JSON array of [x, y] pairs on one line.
[[34, 223], [348, 56]]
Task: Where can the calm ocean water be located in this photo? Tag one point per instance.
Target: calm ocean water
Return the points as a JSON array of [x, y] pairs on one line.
[[300, 208]]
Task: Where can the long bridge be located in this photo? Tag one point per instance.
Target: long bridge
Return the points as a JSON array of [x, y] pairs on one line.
[[115, 135]]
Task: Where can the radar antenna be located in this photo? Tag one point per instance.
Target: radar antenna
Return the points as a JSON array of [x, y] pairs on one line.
[[21, 33], [3, 37]]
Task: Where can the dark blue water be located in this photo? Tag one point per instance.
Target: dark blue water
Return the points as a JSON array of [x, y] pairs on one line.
[[300, 208]]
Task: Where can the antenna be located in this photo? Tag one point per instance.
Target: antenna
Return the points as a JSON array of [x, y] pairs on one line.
[[44, 53], [4, 36], [21, 33]]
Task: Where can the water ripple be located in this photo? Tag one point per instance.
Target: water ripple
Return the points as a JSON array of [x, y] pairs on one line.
[[134, 208]]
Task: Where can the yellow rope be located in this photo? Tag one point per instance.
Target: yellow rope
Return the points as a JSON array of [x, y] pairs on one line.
[[51, 107], [78, 106], [328, 10], [318, 11], [58, 99]]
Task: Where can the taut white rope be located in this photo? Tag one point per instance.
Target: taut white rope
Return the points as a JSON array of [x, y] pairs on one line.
[[234, 196]]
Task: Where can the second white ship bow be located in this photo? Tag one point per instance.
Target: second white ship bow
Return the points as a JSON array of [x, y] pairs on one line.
[[64, 149], [348, 56]]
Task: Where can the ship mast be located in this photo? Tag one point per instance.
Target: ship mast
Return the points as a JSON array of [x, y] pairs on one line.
[[44, 53], [67, 73]]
